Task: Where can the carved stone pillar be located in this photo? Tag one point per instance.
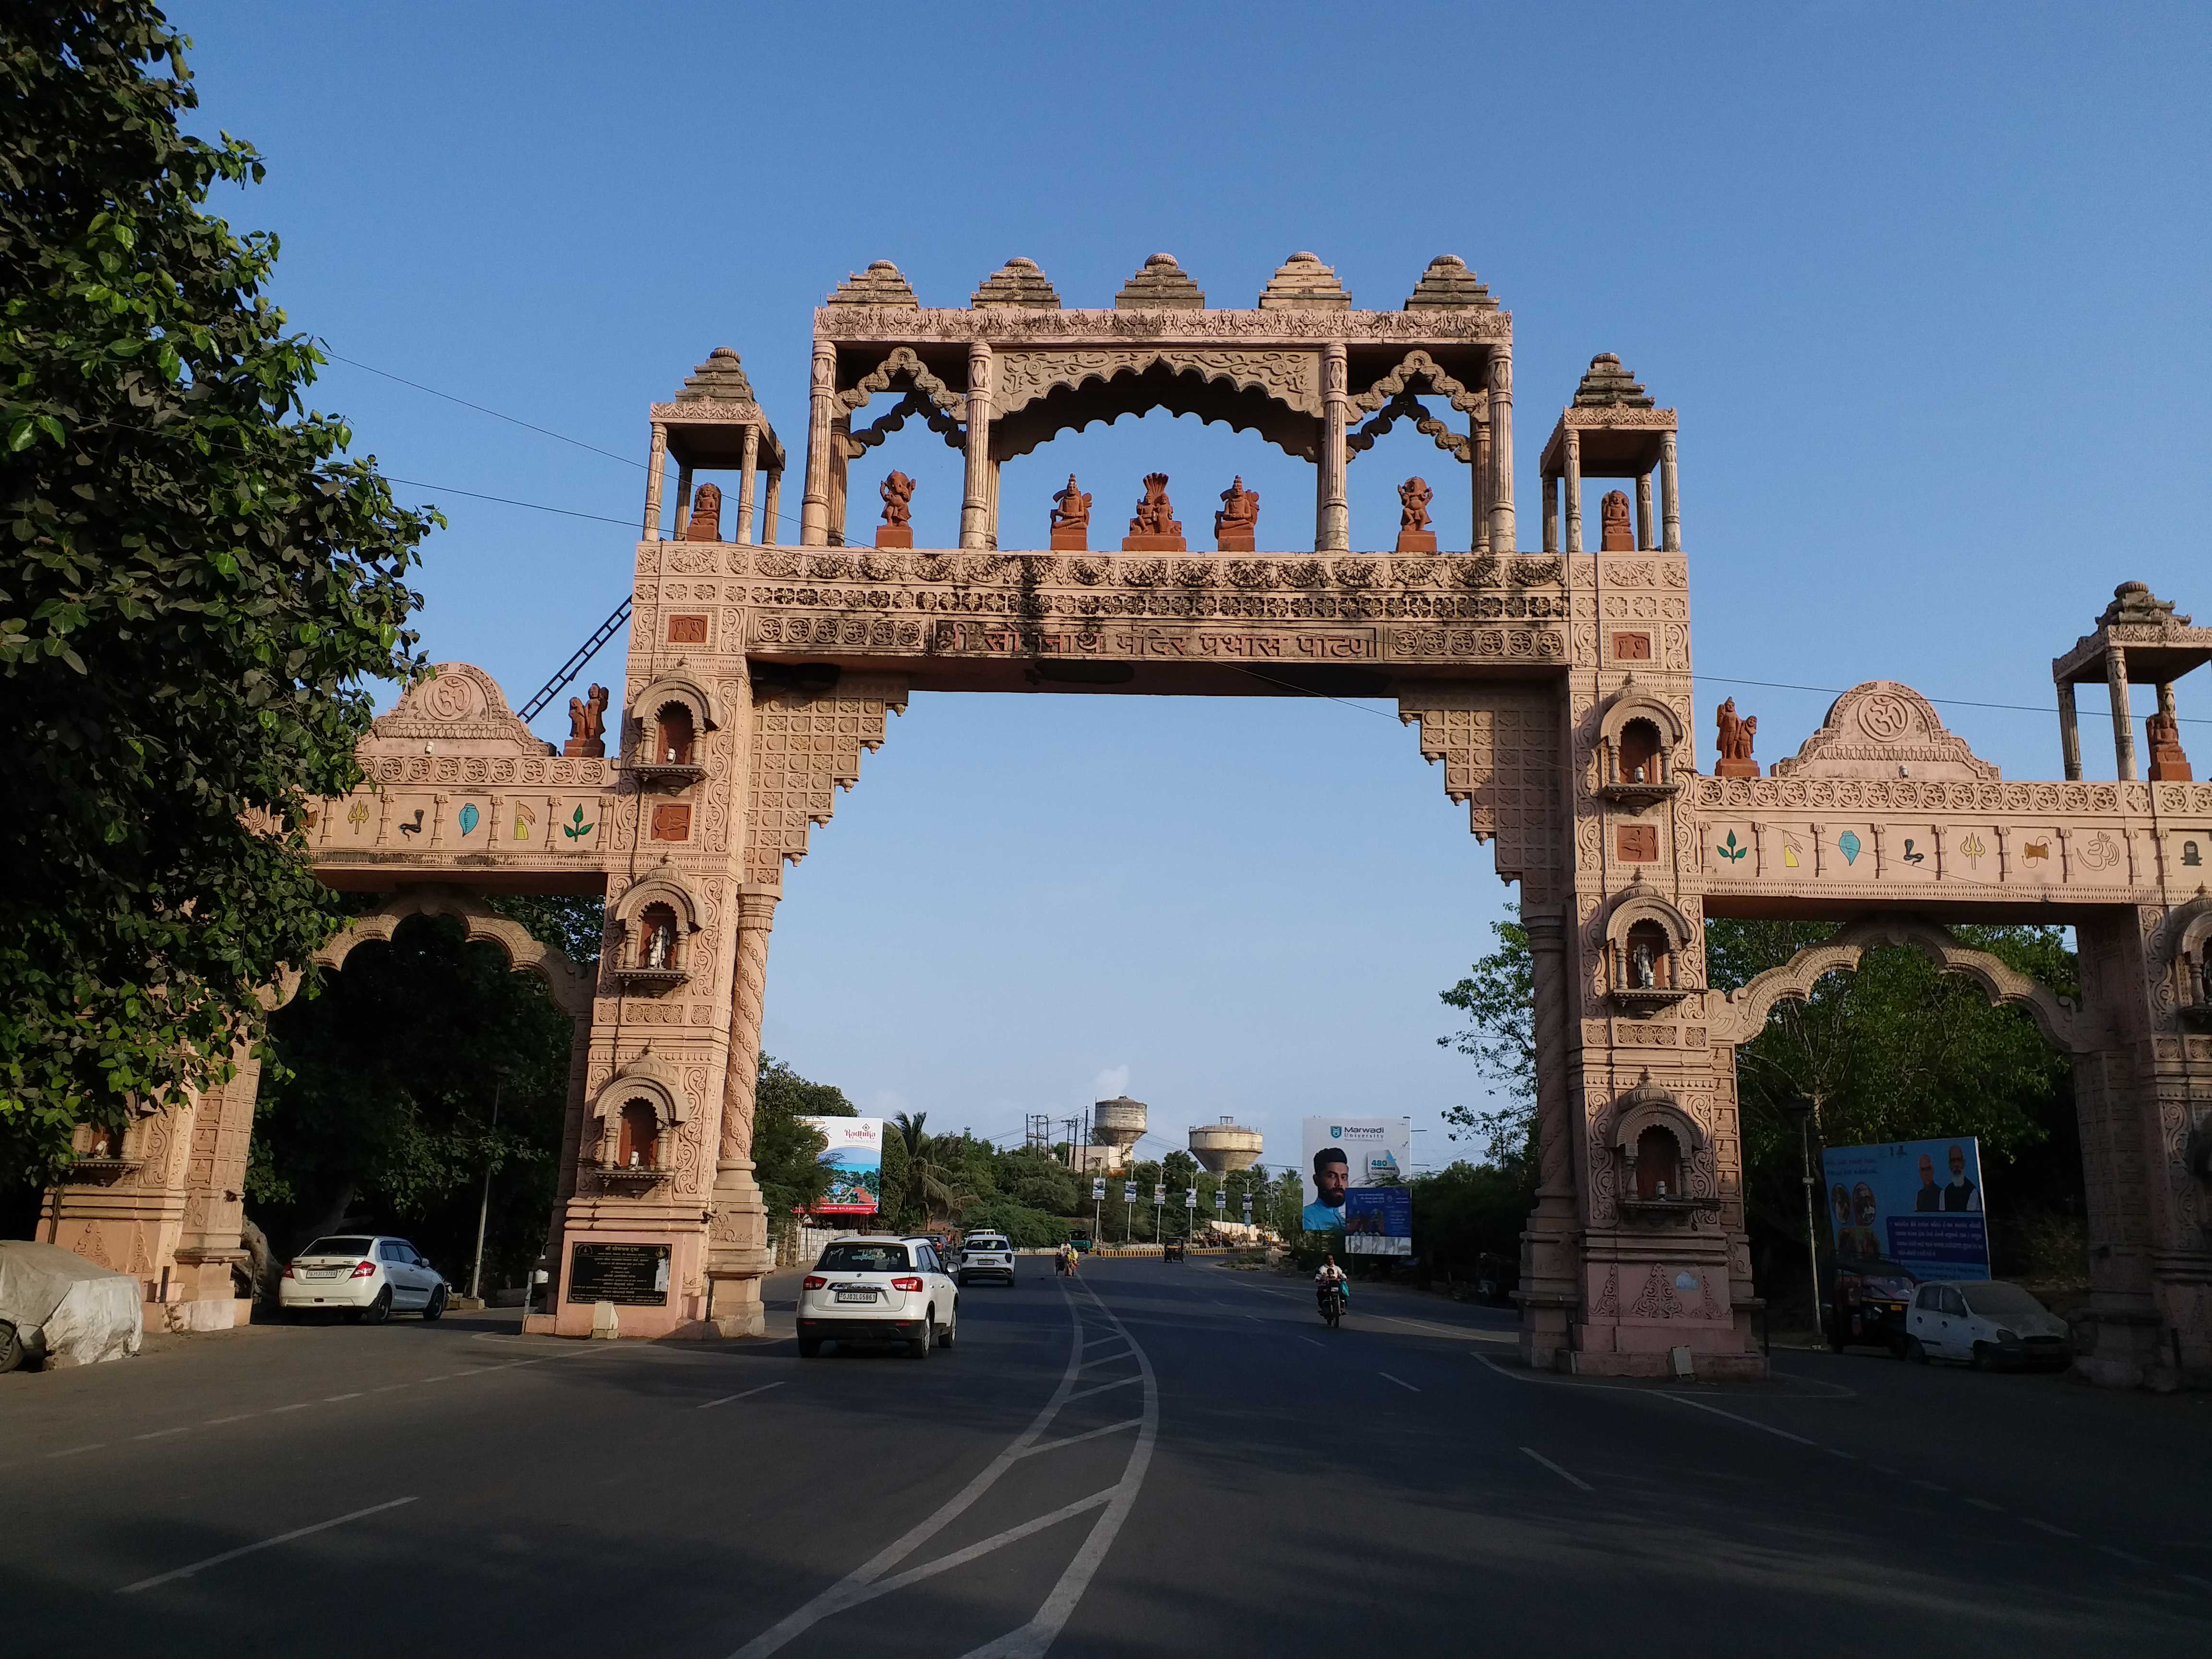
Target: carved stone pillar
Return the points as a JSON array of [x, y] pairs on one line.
[[1571, 484], [840, 441], [1333, 513], [814, 509], [1548, 1292], [991, 508], [2069, 732], [747, 476], [737, 1238], [975, 501], [768, 509], [1501, 449], [1550, 489], [682, 502], [2124, 726], [655, 463], [1643, 513], [1670, 499], [1479, 436]]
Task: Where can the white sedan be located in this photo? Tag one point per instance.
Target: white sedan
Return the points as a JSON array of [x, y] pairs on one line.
[[878, 1290], [365, 1276], [1986, 1322]]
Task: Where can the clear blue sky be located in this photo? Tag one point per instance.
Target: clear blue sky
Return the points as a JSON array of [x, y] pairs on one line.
[[1928, 286]]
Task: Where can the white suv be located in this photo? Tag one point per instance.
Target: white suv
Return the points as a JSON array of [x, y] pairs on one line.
[[987, 1255], [366, 1276], [876, 1289]]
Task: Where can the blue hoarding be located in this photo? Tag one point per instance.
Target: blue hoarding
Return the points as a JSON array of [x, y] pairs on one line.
[[1917, 1204], [1378, 1221]]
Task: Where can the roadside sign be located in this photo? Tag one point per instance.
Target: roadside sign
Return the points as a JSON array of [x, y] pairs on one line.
[[1128, 1192], [1098, 1187], [1160, 1193], [1220, 1199], [1190, 1198]]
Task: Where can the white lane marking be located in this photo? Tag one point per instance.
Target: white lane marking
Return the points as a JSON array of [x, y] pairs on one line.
[[329, 1398], [2120, 1554], [443, 1377], [389, 1386], [1109, 1337], [1851, 1457], [158, 1433], [1929, 1485], [1033, 1639], [1088, 1434], [71, 1451], [296, 1406], [961, 1558], [1985, 1503], [1399, 1381], [1465, 1332], [1118, 1382], [1573, 1480], [266, 1543], [1748, 1422], [217, 1422], [747, 1395], [2204, 1584], [1314, 1341], [2045, 1526], [1104, 1360]]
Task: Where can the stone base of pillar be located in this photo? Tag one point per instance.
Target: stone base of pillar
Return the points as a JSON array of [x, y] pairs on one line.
[[1548, 1295], [1233, 541], [734, 1308], [894, 535], [2125, 1351], [1076, 540], [1736, 769], [1154, 544], [738, 1254], [1416, 541]]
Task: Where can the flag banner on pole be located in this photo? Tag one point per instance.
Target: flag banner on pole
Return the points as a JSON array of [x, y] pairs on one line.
[[1098, 1187]]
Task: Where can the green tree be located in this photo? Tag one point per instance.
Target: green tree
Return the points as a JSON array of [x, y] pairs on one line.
[[1497, 997], [196, 584], [931, 1190], [787, 1153]]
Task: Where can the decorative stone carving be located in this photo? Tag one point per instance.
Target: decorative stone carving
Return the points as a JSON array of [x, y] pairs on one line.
[[880, 284], [1608, 385], [587, 724], [1414, 535], [1018, 283], [568, 986], [1071, 520], [1238, 520], [457, 710], [1161, 285], [1734, 743], [1617, 534], [2168, 764], [1155, 529], [705, 524], [897, 528], [1302, 283], [1883, 729], [721, 380], [805, 747], [1447, 284], [923, 378]]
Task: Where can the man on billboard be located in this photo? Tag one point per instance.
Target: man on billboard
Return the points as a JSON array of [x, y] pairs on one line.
[[1961, 1194], [1931, 1196], [1332, 1174]]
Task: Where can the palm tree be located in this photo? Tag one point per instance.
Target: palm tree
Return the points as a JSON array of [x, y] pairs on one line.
[[932, 1187]]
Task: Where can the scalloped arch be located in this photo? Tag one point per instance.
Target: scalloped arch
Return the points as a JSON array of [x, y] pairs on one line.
[[646, 705], [1641, 903], [568, 986], [1463, 397], [1633, 703], [1741, 1014], [1213, 394], [904, 362], [662, 885], [643, 1076]]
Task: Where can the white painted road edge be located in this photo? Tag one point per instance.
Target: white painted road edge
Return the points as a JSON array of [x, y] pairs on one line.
[[266, 1543]]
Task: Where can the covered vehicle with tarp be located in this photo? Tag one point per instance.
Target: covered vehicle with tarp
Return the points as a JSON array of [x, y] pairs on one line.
[[57, 1308]]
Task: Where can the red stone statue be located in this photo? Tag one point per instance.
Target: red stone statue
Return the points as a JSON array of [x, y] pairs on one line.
[[2168, 764], [1618, 536], [1071, 518], [1238, 519], [706, 524], [1414, 535], [897, 528], [587, 722], [1155, 529], [1735, 736]]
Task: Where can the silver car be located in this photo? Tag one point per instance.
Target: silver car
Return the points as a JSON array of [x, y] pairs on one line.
[[367, 1276], [986, 1255]]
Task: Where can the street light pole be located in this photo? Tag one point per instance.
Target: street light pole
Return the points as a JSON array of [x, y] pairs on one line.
[[483, 1211], [1803, 1112]]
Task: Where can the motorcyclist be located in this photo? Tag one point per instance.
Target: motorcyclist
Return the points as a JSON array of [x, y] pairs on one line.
[[1329, 1277]]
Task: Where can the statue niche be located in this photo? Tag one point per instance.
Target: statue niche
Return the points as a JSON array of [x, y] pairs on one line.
[[587, 725], [1414, 535], [1071, 520], [705, 524], [1235, 523], [1616, 535], [897, 528], [1735, 739], [1154, 530]]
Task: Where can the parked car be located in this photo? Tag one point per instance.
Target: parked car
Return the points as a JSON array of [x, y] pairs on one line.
[[985, 1256], [879, 1289], [57, 1309], [364, 1276], [1868, 1303], [1985, 1322]]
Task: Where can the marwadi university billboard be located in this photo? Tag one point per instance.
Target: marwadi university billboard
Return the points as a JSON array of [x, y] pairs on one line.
[[1355, 1179], [855, 1159], [1914, 1204]]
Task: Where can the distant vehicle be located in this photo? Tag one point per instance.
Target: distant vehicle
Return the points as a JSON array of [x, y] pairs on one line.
[[366, 1276], [1172, 1250], [1868, 1306], [985, 1256], [1986, 1322], [1332, 1304], [879, 1289], [1079, 1242]]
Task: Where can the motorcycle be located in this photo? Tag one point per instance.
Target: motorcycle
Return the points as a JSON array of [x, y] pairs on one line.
[[1332, 1304]]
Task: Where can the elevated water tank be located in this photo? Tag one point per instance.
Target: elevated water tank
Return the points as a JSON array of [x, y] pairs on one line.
[[1224, 1146], [1119, 1123]]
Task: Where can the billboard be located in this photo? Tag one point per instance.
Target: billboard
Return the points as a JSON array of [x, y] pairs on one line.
[[1913, 1204], [1342, 1154], [1378, 1221], [855, 1159]]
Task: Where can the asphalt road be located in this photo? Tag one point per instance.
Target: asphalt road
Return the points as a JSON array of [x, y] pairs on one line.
[[1164, 1459]]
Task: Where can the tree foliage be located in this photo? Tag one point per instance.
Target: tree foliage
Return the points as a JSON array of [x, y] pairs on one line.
[[787, 1153], [196, 584], [1497, 997]]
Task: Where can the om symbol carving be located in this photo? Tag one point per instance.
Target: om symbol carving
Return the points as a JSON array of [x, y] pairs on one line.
[[450, 697], [1884, 717]]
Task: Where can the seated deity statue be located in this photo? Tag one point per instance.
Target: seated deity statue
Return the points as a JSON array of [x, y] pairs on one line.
[[897, 492], [706, 524], [1616, 536], [1155, 512], [1071, 507], [1414, 498]]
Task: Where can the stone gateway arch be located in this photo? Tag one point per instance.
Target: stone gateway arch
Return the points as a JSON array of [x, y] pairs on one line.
[[1553, 686]]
